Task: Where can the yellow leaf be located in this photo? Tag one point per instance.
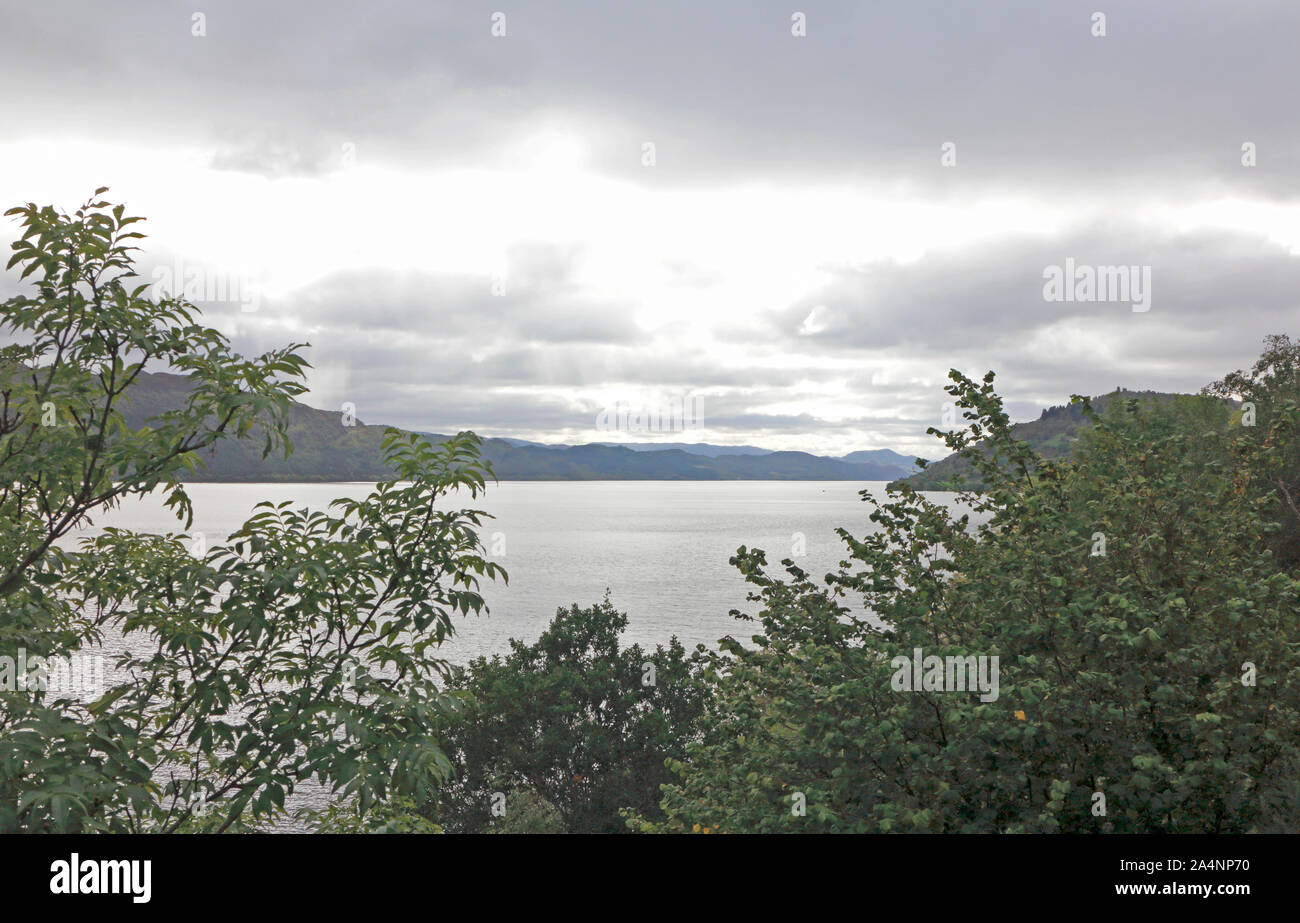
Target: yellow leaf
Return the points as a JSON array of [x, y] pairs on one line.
[[1020, 716]]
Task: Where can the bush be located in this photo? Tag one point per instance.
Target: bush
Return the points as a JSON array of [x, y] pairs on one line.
[[1145, 632], [574, 722]]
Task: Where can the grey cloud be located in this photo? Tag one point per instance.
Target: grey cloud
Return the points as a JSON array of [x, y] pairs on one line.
[[541, 302], [275, 158], [1034, 103], [992, 295], [1029, 96]]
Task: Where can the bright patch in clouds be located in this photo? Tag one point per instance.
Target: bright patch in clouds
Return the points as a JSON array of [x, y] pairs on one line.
[[798, 254]]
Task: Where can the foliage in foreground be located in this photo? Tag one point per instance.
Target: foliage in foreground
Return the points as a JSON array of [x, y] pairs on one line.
[[302, 648], [1270, 390], [565, 732], [1147, 684]]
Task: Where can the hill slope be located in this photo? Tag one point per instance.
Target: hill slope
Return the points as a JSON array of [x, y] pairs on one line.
[[325, 450], [1052, 435]]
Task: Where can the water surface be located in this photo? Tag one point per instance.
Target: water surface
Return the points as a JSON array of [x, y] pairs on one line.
[[660, 547]]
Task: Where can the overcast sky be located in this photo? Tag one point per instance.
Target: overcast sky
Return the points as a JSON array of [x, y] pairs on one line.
[[471, 230]]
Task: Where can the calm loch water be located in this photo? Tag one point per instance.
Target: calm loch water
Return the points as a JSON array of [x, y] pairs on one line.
[[660, 547]]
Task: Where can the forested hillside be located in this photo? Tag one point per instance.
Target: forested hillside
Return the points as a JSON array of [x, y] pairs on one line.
[[1053, 435], [326, 450]]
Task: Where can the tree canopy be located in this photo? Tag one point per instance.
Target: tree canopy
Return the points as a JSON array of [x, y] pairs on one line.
[[566, 732], [302, 648], [1144, 627]]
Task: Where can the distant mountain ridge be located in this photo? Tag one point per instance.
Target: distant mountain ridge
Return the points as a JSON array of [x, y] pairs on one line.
[[880, 457], [711, 450], [326, 450], [706, 449]]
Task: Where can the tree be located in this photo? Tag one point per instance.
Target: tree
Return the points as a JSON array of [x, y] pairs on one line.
[[1270, 392], [301, 648], [572, 728], [1143, 630]]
